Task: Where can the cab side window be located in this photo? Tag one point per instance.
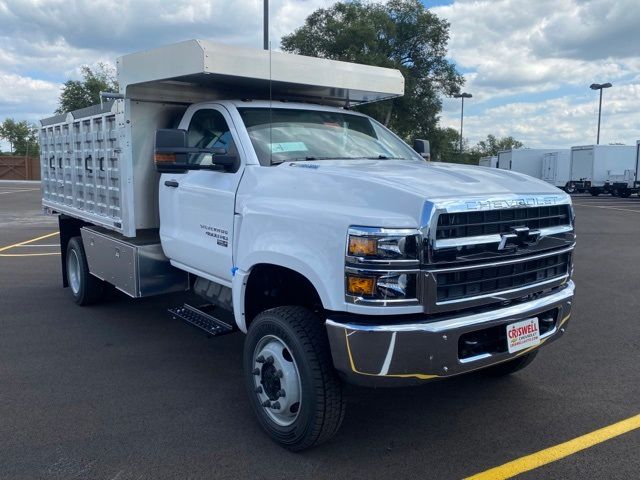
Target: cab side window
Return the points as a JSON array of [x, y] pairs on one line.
[[209, 129]]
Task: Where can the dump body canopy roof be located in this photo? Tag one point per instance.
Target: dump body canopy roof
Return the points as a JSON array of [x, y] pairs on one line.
[[197, 70]]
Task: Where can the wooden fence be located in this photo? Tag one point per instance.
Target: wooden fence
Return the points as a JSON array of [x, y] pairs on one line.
[[19, 168]]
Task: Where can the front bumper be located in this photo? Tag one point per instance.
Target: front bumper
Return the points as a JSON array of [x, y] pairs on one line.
[[398, 354]]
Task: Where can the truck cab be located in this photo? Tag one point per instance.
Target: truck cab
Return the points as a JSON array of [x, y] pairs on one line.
[[342, 253]]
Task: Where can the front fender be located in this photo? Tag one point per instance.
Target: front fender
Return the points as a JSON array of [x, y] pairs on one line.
[[308, 271]]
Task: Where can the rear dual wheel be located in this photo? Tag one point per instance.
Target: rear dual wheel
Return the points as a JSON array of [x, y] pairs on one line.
[[85, 288], [292, 385]]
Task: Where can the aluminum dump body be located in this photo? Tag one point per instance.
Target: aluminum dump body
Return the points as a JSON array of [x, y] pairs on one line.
[[97, 163], [198, 70]]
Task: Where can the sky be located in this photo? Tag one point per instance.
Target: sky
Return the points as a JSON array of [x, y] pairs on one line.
[[527, 63]]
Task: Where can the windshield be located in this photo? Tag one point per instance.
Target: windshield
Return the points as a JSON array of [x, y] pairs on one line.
[[282, 134]]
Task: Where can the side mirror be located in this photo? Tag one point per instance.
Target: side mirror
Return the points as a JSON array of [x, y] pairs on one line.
[[166, 155], [172, 153], [423, 148]]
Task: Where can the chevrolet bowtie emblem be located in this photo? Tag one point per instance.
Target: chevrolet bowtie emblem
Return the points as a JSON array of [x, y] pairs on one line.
[[519, 237]]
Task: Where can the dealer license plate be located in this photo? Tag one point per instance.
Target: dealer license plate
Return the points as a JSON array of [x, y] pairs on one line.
[[523, 334]]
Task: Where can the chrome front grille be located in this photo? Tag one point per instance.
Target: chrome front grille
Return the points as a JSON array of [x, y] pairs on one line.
[[490, 222], [475, 258], [484, 280]]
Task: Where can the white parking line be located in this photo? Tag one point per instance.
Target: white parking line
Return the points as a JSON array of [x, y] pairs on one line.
[[611, 204], [17, 191]]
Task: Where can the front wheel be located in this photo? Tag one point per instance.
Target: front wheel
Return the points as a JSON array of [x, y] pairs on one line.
[[511, 366], [570, 188], [292, 386]]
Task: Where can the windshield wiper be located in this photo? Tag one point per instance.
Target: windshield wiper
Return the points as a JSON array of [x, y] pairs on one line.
[[312, 158]]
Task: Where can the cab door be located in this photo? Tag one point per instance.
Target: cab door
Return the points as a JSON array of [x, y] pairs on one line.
[[197, 207]]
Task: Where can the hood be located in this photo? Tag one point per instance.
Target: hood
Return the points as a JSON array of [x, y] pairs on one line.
[[434, 180]]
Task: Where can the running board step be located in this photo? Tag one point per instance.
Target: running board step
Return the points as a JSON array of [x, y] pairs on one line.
[[202, 320]]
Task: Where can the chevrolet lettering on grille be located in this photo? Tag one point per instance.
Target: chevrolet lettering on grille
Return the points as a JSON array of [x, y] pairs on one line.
[[511, 203]]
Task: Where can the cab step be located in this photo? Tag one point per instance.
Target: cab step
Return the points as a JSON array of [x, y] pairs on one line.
[[198, 318]]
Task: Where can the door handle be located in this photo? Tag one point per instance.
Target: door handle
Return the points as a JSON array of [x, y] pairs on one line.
[[171, 183]]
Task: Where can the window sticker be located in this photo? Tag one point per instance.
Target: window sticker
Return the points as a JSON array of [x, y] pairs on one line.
[[288, 147]]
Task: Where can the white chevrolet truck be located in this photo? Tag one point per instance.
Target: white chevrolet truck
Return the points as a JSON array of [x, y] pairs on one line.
[[243, 178]]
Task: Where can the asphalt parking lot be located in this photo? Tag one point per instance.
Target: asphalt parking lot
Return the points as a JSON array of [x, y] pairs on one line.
[[122, 391]]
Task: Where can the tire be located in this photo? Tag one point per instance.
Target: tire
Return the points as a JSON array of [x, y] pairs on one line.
[[292, 341], [85, 288], [624, 193], [511, 366], [570, 188], [594, 192]]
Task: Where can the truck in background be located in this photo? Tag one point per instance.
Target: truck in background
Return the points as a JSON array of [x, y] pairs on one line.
[[244, 178], [603, 169], [523, 160], [491, 162], [556, 168], [636, 182]]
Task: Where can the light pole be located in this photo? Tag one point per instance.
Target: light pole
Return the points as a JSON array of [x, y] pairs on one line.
[[599, 86], [462, 95], [265, 27]]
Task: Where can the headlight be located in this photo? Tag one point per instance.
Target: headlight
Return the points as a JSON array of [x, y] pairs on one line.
[[383, 244], [382, 266], [385, 285]]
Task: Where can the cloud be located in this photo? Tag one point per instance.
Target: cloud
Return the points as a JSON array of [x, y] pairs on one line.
[[52, 39], [22, 96], [592, 30], [558, 122], [527, 63], [513, 49]]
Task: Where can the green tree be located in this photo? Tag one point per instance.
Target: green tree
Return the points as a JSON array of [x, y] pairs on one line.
[[400, 34], [492, 145], [83, 93], [21, 136], [8, 132], [445, 145]]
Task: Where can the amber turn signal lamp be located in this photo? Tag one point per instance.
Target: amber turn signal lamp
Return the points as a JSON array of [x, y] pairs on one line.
[[360, 285], [359, 246], [165, 157]]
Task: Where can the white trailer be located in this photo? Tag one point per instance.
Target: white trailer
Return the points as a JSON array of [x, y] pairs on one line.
[[523, 160], [556, 167], [602, 169], [491, 162], [636, 183]]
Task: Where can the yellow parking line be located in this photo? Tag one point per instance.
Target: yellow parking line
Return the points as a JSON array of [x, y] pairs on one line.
[[28, 241], [552, 454]]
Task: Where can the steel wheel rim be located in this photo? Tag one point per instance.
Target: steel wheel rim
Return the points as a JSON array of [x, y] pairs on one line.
[[276, 380], [73, 271]]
